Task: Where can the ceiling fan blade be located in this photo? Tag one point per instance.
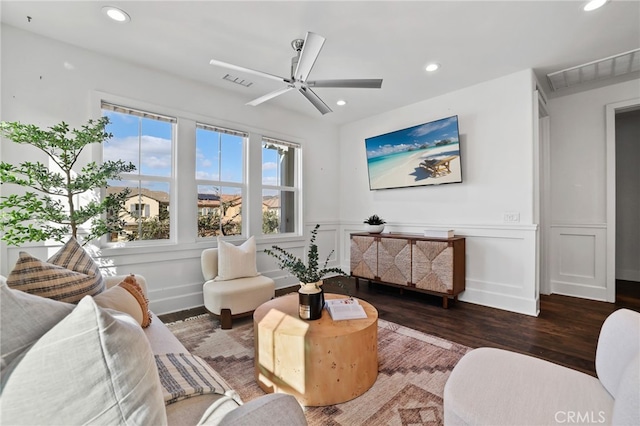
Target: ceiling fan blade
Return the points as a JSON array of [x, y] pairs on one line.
[[268, 96], [310, 51], [247, 70], [372, 83], [315, 100]]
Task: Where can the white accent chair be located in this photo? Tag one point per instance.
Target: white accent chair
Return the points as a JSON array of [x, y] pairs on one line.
[[232, 298], [497, 387]]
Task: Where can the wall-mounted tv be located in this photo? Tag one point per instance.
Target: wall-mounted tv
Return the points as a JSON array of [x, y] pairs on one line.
[[427, 154]]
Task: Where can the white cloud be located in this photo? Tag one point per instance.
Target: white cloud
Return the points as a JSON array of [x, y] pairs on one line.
[[270, 180], [430, 127], [155, 152], [206, 176], [269, 166], [389, 149]]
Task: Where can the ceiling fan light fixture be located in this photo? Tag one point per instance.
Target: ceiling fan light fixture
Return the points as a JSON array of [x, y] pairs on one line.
[[432, 67], [341, 102], [594, 4], [116, 14]]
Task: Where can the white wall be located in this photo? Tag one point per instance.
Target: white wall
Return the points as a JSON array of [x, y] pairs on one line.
[[496, 126], [578, 189], [628, 196], [45, 82]]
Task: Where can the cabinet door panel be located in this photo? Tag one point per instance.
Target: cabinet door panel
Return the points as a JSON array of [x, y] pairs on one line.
[[432, 266], [364, 257], [394, 260]]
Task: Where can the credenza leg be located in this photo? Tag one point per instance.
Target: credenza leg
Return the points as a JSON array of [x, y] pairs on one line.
[[445, 302], [357, 283]]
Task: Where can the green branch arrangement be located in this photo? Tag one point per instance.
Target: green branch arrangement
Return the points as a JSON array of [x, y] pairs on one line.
[[309, 272]]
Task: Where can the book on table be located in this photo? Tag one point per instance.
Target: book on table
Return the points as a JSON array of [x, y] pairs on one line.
[[344, 309], [439, 233]]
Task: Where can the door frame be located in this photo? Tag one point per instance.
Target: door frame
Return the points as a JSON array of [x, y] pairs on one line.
[[611, 110]]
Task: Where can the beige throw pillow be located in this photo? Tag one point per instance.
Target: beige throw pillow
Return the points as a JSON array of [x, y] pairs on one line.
[[236, 261], [93, 367], [67, 276], [127, 297]]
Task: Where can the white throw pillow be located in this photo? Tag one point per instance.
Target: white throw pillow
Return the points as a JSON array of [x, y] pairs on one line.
[[24, 318], [236, 261], [93, 367]]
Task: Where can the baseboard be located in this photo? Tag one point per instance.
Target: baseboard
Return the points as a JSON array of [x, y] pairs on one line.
[[628, 274], [501, 301]]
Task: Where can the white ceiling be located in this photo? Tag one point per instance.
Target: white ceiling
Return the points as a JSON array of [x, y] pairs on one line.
[[474, 41]]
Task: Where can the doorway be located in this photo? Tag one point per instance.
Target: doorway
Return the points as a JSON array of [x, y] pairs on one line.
[[623, 194]]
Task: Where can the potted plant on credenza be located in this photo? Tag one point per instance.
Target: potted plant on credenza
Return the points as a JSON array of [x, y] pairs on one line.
[[374, 224]]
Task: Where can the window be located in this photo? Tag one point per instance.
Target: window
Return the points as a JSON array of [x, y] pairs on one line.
[[220, 177], [139, 209], [279, 186], [146, 140]]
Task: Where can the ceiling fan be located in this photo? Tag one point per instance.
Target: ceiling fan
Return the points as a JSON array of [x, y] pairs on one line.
[[301, 64]]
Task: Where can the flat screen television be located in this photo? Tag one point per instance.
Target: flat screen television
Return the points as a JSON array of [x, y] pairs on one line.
[[426, 154]]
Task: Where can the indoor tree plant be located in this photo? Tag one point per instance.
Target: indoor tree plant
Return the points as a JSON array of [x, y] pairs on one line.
[[374, 223], [53, 212]]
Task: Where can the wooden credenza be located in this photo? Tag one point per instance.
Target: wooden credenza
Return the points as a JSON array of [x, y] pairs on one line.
[[410, 261]]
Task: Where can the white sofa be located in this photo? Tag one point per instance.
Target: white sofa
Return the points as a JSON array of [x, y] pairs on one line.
[[497, 387], [274, 409]]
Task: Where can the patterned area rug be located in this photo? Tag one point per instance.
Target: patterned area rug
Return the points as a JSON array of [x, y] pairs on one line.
[[413, 368]]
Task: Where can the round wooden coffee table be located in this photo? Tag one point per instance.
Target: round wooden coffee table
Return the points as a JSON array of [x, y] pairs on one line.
[[320, 362]]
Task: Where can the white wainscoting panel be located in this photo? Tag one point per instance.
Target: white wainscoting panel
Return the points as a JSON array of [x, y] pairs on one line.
[[173, 271], [500, 263], [578, 261]]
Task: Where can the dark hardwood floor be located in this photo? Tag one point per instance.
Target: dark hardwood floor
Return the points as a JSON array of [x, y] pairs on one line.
[[565, 332]]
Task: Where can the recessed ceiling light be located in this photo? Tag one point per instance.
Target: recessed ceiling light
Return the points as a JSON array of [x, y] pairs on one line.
[[594, 4], [341, 102], [116, 14], [432, 67]]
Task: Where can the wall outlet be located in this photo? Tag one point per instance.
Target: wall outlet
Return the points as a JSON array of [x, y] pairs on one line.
[[512, 217]]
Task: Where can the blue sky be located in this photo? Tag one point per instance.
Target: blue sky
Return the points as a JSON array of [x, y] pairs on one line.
[[412, 137], [154, 156]]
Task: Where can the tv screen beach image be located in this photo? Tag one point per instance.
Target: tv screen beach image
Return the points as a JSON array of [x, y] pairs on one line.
[[427, 154]]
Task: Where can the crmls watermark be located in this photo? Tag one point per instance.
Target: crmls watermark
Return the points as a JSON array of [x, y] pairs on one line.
[[581, 417]]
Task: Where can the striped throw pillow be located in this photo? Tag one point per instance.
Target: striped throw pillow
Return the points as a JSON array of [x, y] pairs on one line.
[[67, 276]]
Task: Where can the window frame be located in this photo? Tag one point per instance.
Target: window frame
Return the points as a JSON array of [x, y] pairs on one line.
[[137, 176], [243, 185], [295, 189], [183, 187]]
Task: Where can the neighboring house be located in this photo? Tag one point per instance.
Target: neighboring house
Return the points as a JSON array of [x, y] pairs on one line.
[[271, 203], [143, 204]]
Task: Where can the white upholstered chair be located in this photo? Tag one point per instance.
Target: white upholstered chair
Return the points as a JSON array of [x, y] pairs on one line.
[[497, 387], [227, 298]]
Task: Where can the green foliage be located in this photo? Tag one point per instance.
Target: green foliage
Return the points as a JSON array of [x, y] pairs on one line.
[[270, 222], [150, 228], [213, 223], [309, 273], [210, 225], [374, 220], [52, 212]]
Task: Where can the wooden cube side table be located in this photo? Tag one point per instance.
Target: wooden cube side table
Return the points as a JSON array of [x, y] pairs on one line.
[[321, 362]]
